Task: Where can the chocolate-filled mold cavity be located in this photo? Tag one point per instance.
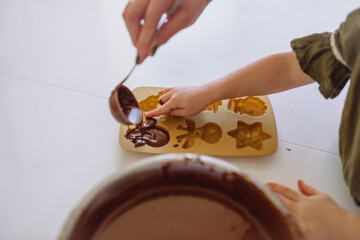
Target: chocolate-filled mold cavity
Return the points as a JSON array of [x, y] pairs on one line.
[[214, 107], [187, 197], [210, 133], [148, 133], [204, 133], [249, 135], [251, 106]]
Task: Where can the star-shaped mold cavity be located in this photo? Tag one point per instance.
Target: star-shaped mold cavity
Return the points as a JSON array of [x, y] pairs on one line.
[[252, 106], [214, 107], [210, 133], [249, 135]]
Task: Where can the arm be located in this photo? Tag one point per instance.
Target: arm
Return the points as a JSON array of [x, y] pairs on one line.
[[272, 74]]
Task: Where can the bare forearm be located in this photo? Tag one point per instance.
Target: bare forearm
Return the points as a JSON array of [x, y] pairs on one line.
[[272, 74]]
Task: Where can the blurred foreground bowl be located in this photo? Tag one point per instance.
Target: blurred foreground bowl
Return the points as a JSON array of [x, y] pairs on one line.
[[180, 197]]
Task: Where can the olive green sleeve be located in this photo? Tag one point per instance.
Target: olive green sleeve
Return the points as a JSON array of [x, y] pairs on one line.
[[316, 59]]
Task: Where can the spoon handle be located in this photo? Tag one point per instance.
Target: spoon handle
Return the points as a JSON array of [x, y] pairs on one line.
[[166, 17], [132, 69]]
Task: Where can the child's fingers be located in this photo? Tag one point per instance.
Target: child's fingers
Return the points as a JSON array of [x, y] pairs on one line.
[[290, 205], [284, 191], [164, 98], [181, 112], [166, 108], [154, 113], [307, 190], [166, 90]]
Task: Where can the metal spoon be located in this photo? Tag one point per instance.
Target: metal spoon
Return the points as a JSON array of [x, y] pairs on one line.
[[123, 104]]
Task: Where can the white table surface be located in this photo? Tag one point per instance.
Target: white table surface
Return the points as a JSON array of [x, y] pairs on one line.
[[59, 61]]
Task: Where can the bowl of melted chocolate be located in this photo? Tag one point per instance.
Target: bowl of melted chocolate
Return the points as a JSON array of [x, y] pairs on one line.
[[180, 197]]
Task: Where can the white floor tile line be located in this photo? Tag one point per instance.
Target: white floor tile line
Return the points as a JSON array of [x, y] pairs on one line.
[[52, 85], [315, 149]]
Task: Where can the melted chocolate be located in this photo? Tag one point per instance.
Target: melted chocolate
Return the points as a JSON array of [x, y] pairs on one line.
[[192, 218], [124, 106], [125, 109], [148, 133], [129, 105], [166, 200]]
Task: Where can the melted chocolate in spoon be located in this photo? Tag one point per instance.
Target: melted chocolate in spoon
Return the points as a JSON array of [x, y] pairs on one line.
[[125, 109], [124, 106]]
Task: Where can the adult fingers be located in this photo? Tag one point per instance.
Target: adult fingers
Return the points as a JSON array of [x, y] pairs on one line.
[[177, 22], [307, 190], [133, 14], [152, 16], [284, 191]]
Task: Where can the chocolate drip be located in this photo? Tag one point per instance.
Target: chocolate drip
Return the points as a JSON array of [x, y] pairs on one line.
[[148, 133], [124, 106], [129, 105]]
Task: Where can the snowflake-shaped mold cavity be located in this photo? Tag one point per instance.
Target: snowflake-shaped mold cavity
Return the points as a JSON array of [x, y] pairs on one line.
[[249, 135]]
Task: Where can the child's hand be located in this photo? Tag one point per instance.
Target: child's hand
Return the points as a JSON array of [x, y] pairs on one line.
[[317, 215], [182, 101]]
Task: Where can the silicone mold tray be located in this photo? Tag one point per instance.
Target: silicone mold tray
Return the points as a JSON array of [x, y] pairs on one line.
[[235, 127]]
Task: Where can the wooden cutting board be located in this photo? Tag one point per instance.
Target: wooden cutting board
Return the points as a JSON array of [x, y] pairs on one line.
[[219, 131]]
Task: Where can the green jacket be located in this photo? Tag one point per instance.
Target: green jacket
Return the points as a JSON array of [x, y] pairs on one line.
[[331, 59]]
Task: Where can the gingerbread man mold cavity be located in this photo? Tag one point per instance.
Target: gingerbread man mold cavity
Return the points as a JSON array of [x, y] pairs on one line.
[[210, 133]]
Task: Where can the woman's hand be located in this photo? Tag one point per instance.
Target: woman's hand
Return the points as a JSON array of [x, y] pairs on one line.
[[151, 11], [182, 101]]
